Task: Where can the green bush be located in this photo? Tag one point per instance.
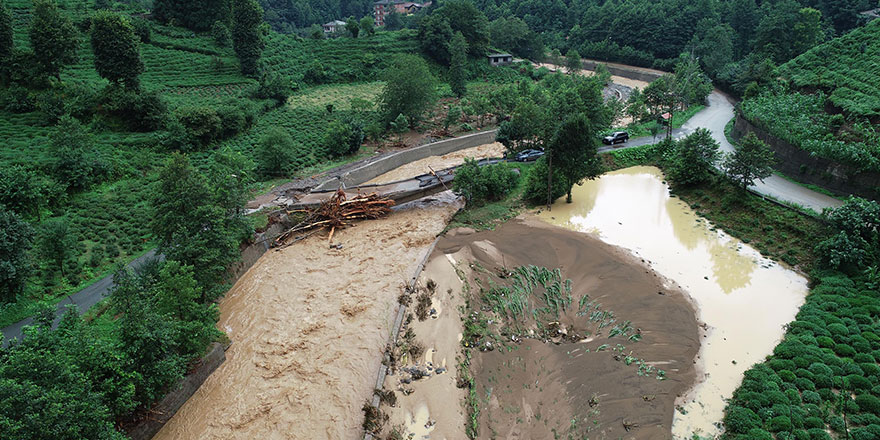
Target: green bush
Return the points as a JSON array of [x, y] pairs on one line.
[[740, 420], [779, 423], [488, 183], [275, 151], [344, 137], [868, 403], [536, 184]]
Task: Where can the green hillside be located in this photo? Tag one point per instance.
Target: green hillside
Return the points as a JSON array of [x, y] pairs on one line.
[[847, 68]]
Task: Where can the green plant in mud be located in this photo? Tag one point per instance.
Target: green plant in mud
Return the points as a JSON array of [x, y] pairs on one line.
[[521, 298]]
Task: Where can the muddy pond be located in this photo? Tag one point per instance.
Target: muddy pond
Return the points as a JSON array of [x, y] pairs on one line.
[[743, 299]]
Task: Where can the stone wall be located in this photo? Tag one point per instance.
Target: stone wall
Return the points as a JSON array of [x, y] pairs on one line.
[[799, 164], [374, 169]]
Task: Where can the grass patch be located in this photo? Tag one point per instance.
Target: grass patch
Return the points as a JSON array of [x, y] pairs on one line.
[[778, 233]]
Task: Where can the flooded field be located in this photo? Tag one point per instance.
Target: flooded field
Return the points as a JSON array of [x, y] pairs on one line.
[[424, 166], [308, 325], [743, 299], [609, 363]]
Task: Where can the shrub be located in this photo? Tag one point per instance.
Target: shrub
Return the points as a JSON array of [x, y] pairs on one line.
[[868, 403], [813, 422], [811, 397], [740, 420], [220, 33], [195, 127], [779, 423], [275, 151], [536, 184], [483, 184], [274, 86], [142, 29], [344, 137], [139, 111]]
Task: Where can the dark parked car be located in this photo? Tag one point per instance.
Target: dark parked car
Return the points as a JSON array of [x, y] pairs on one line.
[[528, 155], [618, 137]]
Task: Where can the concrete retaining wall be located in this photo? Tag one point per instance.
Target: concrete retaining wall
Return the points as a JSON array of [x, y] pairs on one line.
[[168, 406], [799, 164], [638, 75], [372, 170]]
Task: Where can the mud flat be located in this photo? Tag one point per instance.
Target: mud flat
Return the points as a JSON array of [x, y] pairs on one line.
[[745, 300], [308, 326], [419, 167], [608, 362]]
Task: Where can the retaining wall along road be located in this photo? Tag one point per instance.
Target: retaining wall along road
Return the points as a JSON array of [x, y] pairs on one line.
[[631, 73], [171, 403], [374, 169], [163, 411], [807, 168]]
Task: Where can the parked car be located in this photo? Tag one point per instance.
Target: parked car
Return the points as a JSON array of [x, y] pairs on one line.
[[618, 137], [528, 155]]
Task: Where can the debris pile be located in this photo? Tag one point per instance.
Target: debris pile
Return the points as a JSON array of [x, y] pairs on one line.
[[337, 212]]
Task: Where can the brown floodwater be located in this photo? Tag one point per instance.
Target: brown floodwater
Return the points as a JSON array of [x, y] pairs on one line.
[[744, 299], [308, 325], [437, 163]]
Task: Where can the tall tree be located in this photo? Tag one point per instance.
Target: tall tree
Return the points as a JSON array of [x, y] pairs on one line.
[[116, 49], [353, 27], [434, 36], [694, 158], [247, 34], [191, 224], [751, 160], [463, 16], [15, 241], [6, 42], [198, 15], [367, 26], [573, 62], [55, 244], [409, 90], [73, 161], [53, 38], [458, 65], [574, 153]]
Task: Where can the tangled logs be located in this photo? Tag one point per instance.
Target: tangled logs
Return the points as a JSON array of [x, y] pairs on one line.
[[338, 212]]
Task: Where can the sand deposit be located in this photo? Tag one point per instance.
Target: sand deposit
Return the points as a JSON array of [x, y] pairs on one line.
[[308, 326], [588, 383], [745, 299], [438, 163]]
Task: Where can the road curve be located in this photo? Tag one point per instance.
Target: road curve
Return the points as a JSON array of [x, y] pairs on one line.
[[83, 300], [716, 115]]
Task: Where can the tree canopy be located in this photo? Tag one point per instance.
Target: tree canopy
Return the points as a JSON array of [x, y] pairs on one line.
[[53, 38], [247, 34], [751, 160], [409, 89], [116, 49]]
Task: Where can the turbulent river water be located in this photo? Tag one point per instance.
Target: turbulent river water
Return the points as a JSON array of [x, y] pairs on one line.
[[743, 299]]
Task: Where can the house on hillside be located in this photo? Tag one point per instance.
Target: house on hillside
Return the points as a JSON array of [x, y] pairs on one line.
[[333, 27], [499, 59], [383, 7]]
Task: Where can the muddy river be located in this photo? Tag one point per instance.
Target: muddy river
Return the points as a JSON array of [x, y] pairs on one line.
[[437, 163], [743, 299], [308, 325]]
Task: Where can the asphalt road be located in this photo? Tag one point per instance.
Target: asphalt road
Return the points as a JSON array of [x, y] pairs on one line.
[[718, 112], [84, 300]]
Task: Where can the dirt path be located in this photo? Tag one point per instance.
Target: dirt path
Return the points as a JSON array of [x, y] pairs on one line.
[[419, 167], [585, 383], [308, 326]]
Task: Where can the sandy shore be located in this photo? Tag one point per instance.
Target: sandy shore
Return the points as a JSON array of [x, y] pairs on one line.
[[308, 326]]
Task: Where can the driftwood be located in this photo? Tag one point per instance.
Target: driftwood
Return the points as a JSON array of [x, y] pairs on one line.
[[336, 213]]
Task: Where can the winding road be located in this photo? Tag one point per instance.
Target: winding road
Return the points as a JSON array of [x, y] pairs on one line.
[[718, 112], [716, 115]]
